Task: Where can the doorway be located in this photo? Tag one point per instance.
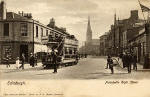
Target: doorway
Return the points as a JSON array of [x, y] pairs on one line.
[[24, 50], [139, 52]]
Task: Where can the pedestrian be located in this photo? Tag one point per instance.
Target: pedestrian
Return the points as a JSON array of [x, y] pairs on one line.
[[118, 57], [35, 60], [7, 61], [77, 57], [110, 63], [22, 61], [85, 55], [107, 66], [17, 62], [43, 59], [135, 62], [31, 60], [54, 60], [124, 56], [129, 62]]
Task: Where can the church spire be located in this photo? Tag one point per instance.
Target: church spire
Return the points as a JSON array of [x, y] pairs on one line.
[[89, 32], [115, 18]]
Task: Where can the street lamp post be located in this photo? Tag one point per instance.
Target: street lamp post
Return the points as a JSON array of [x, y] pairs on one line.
[[146, 58]]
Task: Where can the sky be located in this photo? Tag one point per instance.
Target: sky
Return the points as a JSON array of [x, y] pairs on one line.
[[73, 14]]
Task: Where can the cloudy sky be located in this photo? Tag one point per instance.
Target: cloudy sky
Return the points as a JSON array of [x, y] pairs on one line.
[[73, 14]]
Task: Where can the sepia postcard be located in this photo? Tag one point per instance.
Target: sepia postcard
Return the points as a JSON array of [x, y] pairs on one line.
[[74, 48]]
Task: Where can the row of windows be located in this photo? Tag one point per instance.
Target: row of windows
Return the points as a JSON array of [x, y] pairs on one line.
[[70, 51], [42, 34], [47, 32], [24, 30]]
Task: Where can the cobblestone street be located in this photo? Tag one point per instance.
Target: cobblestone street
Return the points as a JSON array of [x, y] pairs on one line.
[[89, 68]]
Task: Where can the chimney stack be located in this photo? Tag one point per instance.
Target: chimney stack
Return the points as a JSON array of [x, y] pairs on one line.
[[22, 13], [2, 10], [134, 15]]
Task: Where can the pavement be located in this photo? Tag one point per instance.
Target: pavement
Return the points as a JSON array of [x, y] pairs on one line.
[[13, 67], [139, 66]]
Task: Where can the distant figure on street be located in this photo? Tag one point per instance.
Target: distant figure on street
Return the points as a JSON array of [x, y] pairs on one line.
[[124, 59], [43, 59], [35, 60], [85, 55], [77, 57], [129, 62], [22, 61], [31, 60], [17, 62], [134, 62], [110, 63], [7, 61], [54, 60], [107, 66]]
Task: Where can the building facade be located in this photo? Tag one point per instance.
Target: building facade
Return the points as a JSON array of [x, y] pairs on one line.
[[128, 35], [20, 33]]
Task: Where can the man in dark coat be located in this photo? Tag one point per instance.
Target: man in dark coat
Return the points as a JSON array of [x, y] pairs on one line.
[[124, 60], [7, 61], [77, 57], [107, 65], [110, 63], [129, 62], [22, 61], [54, 60], [135, 62], [32, 60], [35, 59]]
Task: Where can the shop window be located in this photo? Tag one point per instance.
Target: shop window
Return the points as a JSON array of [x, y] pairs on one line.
[[7, 51], [70, 51]]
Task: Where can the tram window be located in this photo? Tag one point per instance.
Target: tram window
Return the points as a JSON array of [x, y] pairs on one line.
[[53, 35], [70, 51], [66, 51], [56, 35], [51, 32]]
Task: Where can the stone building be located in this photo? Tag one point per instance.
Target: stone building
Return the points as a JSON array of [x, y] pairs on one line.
[[103, 44], [122, 31], [129, 35], [20, 33], [140, 45]]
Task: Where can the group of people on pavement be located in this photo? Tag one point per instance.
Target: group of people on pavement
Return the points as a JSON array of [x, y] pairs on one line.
[[21, 61], [33, 60], [128, 59]]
